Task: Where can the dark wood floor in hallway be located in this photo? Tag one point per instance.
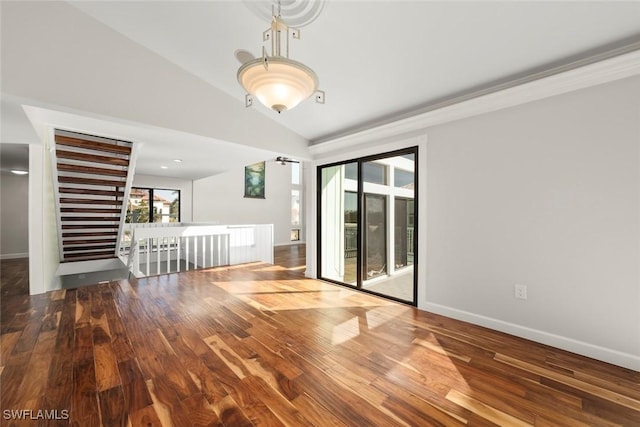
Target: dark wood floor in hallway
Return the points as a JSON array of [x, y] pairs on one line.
[[261, 345]]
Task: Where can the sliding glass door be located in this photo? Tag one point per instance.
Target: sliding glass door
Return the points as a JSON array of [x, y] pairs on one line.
[[366, 224]]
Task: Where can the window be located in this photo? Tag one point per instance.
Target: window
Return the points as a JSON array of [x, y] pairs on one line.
[[295, 207], [295, 173], [403, 179], [296, 201], [351, 171], [374, 173], [153, 205]]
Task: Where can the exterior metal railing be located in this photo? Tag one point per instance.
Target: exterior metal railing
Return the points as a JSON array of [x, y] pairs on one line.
[[351, 241]]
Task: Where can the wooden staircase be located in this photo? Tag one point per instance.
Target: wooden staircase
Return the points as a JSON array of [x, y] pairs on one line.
[[92, 186]]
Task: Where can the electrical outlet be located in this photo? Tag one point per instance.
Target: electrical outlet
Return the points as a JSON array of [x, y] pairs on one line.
[[520, 291]]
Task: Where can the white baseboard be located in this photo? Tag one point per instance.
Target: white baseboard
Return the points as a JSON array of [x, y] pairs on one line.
[[615, 357], [294, 242], [15, 256]]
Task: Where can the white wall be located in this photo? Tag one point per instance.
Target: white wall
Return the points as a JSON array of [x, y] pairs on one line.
[[14, 218], [185, 187], [546, 194], [221, 198]]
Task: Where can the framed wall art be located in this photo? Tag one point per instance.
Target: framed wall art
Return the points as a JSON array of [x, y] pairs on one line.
[[254, 180]]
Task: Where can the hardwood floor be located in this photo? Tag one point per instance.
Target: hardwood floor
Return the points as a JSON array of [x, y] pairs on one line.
[[14, 277], [261, 345], [292, 257]]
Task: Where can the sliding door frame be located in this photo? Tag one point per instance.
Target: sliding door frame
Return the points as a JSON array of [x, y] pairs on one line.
[[360, 235]]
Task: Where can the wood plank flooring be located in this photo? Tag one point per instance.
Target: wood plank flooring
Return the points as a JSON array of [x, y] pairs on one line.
[[261, 345]]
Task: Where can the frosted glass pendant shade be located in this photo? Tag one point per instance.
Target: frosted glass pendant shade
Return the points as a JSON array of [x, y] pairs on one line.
[[281, 85]]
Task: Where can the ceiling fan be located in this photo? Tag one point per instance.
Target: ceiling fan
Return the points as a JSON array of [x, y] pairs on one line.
[[284, 160]]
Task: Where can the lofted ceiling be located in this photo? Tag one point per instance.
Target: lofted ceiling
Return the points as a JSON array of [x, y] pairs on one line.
[[376, 60]]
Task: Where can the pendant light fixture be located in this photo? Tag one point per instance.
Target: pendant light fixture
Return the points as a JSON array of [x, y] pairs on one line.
[[280, 83]]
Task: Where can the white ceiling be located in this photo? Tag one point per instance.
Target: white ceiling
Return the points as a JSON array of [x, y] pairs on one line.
[[380, 58], [376, 60]]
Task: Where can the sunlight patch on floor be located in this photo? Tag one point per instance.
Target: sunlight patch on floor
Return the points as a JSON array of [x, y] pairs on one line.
[[345, 331], [311, 294], [438, 349], [270, 268], [380, 315], [284, 305], [485, 411]]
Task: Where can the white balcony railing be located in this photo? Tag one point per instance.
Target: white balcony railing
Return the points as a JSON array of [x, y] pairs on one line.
[[169, 248]]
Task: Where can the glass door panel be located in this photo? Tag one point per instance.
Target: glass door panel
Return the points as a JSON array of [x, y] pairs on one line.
[[403, 245], [375, 236], [388, 244], [350, 237], [401, 234], [339, 223]]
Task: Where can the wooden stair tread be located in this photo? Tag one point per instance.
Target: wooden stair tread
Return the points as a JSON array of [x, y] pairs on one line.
[[67, 242], [91, 170], [91, 210], [89, 234], [91, 181], [92, 145], [88, 227], [80, 257], [87, 248], [79, 201], [72, 190], [84, 157], [91, 219], [91, 253]]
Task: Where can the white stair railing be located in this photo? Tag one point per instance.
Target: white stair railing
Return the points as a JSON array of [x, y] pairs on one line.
[[181, 247]]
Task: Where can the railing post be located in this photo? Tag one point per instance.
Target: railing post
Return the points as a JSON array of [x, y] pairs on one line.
[[148, 255], [136, 256], [204, 252], [211, 250], [186, 268], [179, 245], [168, 245]]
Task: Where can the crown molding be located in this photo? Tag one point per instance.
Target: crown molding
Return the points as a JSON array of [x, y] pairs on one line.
[[539, 86]]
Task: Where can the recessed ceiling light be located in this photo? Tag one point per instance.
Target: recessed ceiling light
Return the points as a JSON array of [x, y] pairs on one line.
[[19, 172], [164, 167], [177, 160]]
